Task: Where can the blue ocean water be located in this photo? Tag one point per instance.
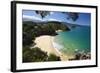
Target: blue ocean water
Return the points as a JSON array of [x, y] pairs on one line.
[[78, 38]]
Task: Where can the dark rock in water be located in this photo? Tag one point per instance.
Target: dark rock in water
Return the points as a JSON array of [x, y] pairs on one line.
[[80, 55], [77, 56], [83, 57], [88, 56]]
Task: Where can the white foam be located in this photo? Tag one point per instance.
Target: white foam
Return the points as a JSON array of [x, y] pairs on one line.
[[56, 45]]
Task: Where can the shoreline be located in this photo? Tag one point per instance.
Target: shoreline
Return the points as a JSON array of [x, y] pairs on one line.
[[57, 47], [53, 44], [46, 43]]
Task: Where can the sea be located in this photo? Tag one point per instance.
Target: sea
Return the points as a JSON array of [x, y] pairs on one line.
[[77, 39]]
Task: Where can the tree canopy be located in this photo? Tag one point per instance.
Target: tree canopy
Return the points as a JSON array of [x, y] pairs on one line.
[[43, 13], [71, 15]]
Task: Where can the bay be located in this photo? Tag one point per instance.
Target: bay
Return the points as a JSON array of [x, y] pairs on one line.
[[77, 39]]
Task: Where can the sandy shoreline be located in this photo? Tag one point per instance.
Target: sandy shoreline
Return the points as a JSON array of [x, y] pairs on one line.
[[46, 44]]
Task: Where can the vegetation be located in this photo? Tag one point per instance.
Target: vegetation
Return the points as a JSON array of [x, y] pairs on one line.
[[31, 30], [48, 28], [53, 57], [58, 26], [71, 15], [43, 13], [37, 55], [33, 55]]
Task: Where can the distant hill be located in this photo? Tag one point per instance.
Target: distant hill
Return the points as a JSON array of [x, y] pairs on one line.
[[69, 25]]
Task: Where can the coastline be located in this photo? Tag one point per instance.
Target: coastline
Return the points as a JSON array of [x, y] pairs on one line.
[[46, 43]]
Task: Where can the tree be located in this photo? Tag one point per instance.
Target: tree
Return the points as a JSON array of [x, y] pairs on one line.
[[43, 13], [27, 39], [37, 55], [71, 15], [53, 57], [34, 55]]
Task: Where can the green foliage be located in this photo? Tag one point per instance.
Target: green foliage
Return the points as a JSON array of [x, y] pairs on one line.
[[27, 56], [71, 15], [33, 55], [30, 32], [37, 55], [58, 26], [27, 39], [53, 57], [33, 29], [48, 28], [43, 13]]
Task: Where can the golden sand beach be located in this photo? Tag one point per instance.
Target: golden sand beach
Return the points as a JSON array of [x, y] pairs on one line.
[[45, 43]]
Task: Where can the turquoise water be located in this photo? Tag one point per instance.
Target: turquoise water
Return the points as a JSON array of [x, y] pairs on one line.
[[76, 39]]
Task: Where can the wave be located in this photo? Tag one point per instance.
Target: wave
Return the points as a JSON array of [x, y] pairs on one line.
[[58, 46]]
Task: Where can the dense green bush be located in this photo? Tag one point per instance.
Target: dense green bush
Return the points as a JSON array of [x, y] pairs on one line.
[[33, 55], [53, 57], [37, 55]]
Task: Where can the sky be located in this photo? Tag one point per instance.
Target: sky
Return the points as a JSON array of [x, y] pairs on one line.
[[84, 18]]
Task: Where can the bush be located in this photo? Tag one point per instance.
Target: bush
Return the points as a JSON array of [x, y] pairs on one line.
[[37, 55], [53, 57], [34, 55]]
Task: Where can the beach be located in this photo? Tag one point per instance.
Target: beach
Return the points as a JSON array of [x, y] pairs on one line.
[[46, 44]]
